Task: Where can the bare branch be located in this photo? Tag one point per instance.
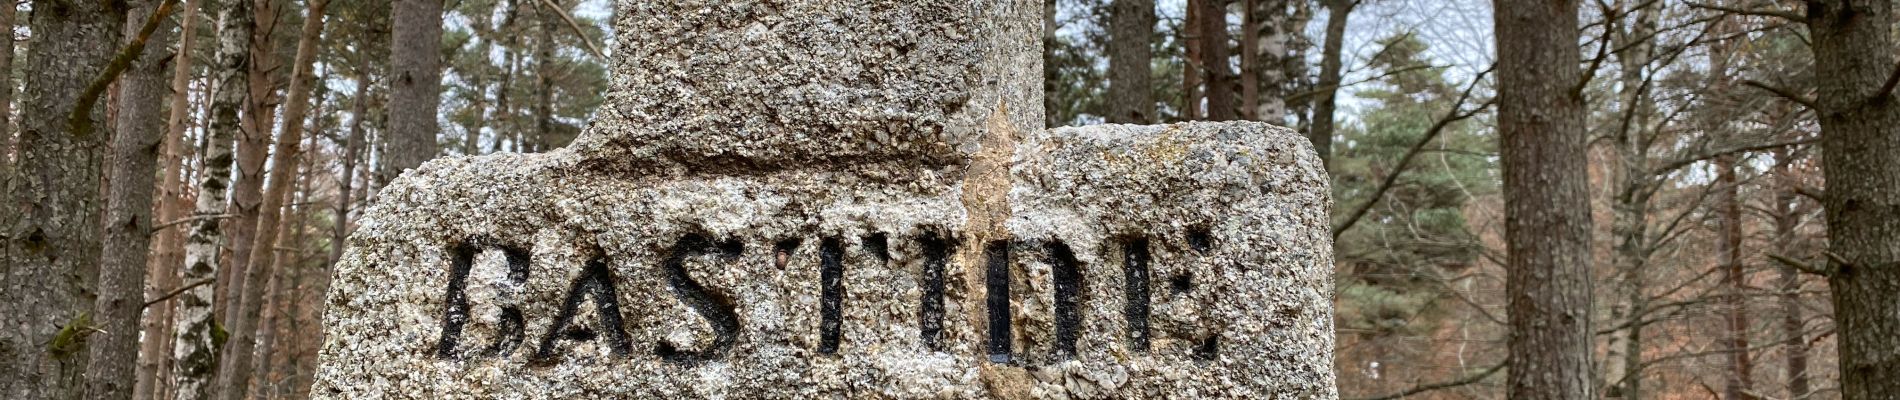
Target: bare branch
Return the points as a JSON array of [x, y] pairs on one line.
[[1784, 93], [187, 220], [1685, 161], [80, 121], [582, 35], [175, 293], [1454, 115], [1800, 266], [1783, 14], [1473, 378], [1892, 80]]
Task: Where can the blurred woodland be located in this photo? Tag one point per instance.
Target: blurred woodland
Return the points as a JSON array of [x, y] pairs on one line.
[[1532, 198]]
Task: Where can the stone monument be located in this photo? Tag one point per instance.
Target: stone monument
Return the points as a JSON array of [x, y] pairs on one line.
[[843, 199]]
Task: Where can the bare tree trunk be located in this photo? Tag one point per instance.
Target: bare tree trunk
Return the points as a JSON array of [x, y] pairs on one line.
[[7, 22], [1786, 219], [134, 163], [195, 349], [1729, 249], [544, 62], [252, 152], [1330, 63], [1191, 63], [1546, 196], [359, 113], [262, 381], [53, 214], [1636, 186], [1265, 52], [1220, 78], [240, 351], [1860, 134], [278, 351], [1130, 75], [1250, 26], [415, 89], [163, 269]]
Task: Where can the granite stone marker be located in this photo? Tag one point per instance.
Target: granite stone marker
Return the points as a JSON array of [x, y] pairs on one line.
[[843, 198]]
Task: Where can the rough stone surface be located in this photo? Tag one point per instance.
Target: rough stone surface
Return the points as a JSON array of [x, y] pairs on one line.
[[751, 85], [1233, 214], [707, 237]]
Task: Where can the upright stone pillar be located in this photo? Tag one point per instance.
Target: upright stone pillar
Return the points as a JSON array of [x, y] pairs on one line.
[[796, 199]]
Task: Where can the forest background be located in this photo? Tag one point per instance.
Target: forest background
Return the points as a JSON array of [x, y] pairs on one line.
[[235, 142]]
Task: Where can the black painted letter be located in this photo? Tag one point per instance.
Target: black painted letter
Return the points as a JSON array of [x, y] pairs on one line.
[[455, 315], [599, 281], [996, 255], [831, 295], [717, 309]]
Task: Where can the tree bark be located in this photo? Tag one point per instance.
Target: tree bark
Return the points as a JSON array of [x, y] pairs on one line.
[[240, 351], [1860, 134], [1191, 62], [195, 348], [1130, 74], [1214, 54], [7, 21], [1636, 186], [162, 270], [1786, 219], [132, 167], [359, 114], [415, 89], [1729, 249], [1547, 209], [1265, 54], [544, 79], [1330, 63], [252, 152], [53, 213]]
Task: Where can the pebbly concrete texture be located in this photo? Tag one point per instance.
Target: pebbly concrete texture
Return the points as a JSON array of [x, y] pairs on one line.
[[686, 249], [722, 85]]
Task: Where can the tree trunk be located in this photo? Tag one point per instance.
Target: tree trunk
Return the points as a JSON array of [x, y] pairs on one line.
[[53, 214], [1636, 185], [1330, 63], [1130, 88], [415, 88], [128, 239], [1546, 195], [1860, 129], [544, 79], [1786, 219], [1729, 249], [252, 152], [1250, 26], [1265, 54], [1191, 61], [195, 348], [7, 21], [239, 365], [359, 113], [1220, 77], [162, 270]]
